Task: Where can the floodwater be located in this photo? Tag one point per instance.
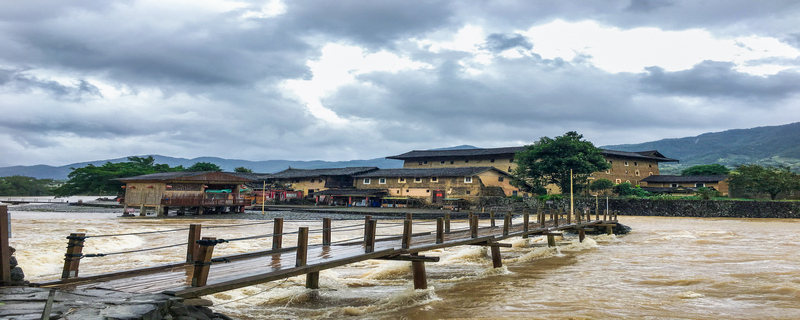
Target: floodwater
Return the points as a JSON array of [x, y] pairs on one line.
[[667, 268]]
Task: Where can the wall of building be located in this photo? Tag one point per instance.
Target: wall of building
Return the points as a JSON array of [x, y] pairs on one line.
[[454, 187], [627, 170], [144, 193], [501, 162], [306, 184], [721, 186]]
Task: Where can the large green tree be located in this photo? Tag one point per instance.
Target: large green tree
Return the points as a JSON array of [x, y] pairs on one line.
[[204, 166], [755, 179], [243, 170], [550, 160], [25, 186], [705, 170], [100, 180], [601, 185]]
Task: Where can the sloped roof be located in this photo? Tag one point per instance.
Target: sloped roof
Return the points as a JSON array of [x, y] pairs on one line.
[[292, 173], [684, 179], [199, 176], [352, 192], [430, 172], [415, 154]]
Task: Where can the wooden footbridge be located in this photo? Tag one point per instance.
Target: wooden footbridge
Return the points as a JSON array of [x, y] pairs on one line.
[[202, 273]]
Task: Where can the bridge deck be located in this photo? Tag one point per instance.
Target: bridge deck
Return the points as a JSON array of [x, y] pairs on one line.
[[254, 268]]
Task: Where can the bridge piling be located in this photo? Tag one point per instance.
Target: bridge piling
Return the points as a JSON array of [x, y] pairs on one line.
[[551, 240], [72, 258], [497, 259], [418, 271], [192, 248], [581, 234], [5, 251], [525, 221], [439, 230], [491, 218]]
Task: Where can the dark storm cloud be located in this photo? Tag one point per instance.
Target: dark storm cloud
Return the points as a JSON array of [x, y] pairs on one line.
[[719, 79], [16, 80], [647, 5], [498, 42]]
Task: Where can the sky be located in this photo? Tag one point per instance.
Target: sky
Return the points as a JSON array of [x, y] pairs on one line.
[[341, 80]]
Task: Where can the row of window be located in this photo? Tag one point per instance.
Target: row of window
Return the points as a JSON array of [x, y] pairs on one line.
[[424, 162], [429, 191], [416, 180], [635, 164], [635, 173]]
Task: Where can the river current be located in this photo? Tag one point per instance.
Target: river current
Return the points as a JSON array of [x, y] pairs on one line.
[[666, 268]]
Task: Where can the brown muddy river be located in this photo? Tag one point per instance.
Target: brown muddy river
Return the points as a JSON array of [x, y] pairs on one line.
[[667, 268]]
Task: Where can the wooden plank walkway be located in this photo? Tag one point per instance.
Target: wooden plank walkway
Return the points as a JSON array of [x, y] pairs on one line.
[[236, 271]]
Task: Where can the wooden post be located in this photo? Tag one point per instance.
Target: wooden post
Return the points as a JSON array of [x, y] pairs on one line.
[[439, 230], [312, 280], [418, 270], [491, 218], [202, 265], [72, 258], [473, 227], [551, 240], [596, 208], [506, 224], [5, 251], [605, 215], [525, 220], [542, 217], [446, 223], [569, 217], [366, 223], [581, 234], [469, 218], [302, 247], [497, 260], [369, 238], [326, 231], [192, 248], [406, 234], [609, 230], [408, 216], [277, 233]]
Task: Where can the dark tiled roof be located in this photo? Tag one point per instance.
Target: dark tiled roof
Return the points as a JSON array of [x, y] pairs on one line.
[[457, 153], [685, 179], [431, 172], [310, 173], [199, 176], [649, 155]]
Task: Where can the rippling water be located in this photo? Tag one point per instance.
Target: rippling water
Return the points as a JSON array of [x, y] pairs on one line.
[[666, 268]]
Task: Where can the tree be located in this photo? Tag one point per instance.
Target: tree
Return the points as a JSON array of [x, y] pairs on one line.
[[25, 186], [754, 179], [550, 160], [626, 189], [601, 185], [705, 170], [243, 170], [204, 166], [100, 180]]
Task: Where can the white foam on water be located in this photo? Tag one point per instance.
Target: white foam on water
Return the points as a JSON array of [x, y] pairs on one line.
[[575, 245], [690, 295], [389, 270], [605, 238], [404, 299], [535, 253], [468, 254]]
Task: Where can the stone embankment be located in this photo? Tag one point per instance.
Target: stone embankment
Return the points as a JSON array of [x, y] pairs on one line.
[[30, 303]]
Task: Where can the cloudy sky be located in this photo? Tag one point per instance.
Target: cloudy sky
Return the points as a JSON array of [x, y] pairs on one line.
[[339, 80]]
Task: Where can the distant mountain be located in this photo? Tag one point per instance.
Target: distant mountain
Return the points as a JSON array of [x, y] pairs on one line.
[[267, 166], [774, 145]]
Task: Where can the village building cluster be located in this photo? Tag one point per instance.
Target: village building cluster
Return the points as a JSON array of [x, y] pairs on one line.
[[450, 178]]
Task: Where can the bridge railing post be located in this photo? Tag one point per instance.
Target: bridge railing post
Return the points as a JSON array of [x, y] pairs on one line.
[[525, 221], [277, 233], [439, 230], [406, 234], [506, 223], [326, 231], [72, 258], [369, 241], [473, 226], [5, 251], [202, 263], [192, 248], [366, 225], [447, 223], [491, 218], [302, 247]]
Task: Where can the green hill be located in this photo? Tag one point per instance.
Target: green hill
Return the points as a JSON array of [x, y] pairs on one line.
[[774, 145]]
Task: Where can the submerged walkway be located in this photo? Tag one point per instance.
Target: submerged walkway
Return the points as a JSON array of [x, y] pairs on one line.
[[202, 274]]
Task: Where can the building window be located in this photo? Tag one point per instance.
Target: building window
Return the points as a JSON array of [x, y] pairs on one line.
[[451, 161], [398, 191], [610, 162], [418, 180], [434, 179], [441, 162], [699, 185], [608, 171], [650, 173], [426, 162], [650, 165], [511, 160], [514, 193], [626, 163], [491, 160], [500, 179], [467, 179], [466, 161], [401, 180], [467, 191], [509, 169], [626, 172], [367, 181], [674, 185], [419, 163], [637, 173], [381, 180], [627, 181], [635, 164], [618, 181], [428, 191]]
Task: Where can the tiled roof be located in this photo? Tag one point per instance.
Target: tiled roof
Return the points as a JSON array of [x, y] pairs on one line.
[[430, 172], [649, 155], [684, 179], [199, 176], [292, 173]]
